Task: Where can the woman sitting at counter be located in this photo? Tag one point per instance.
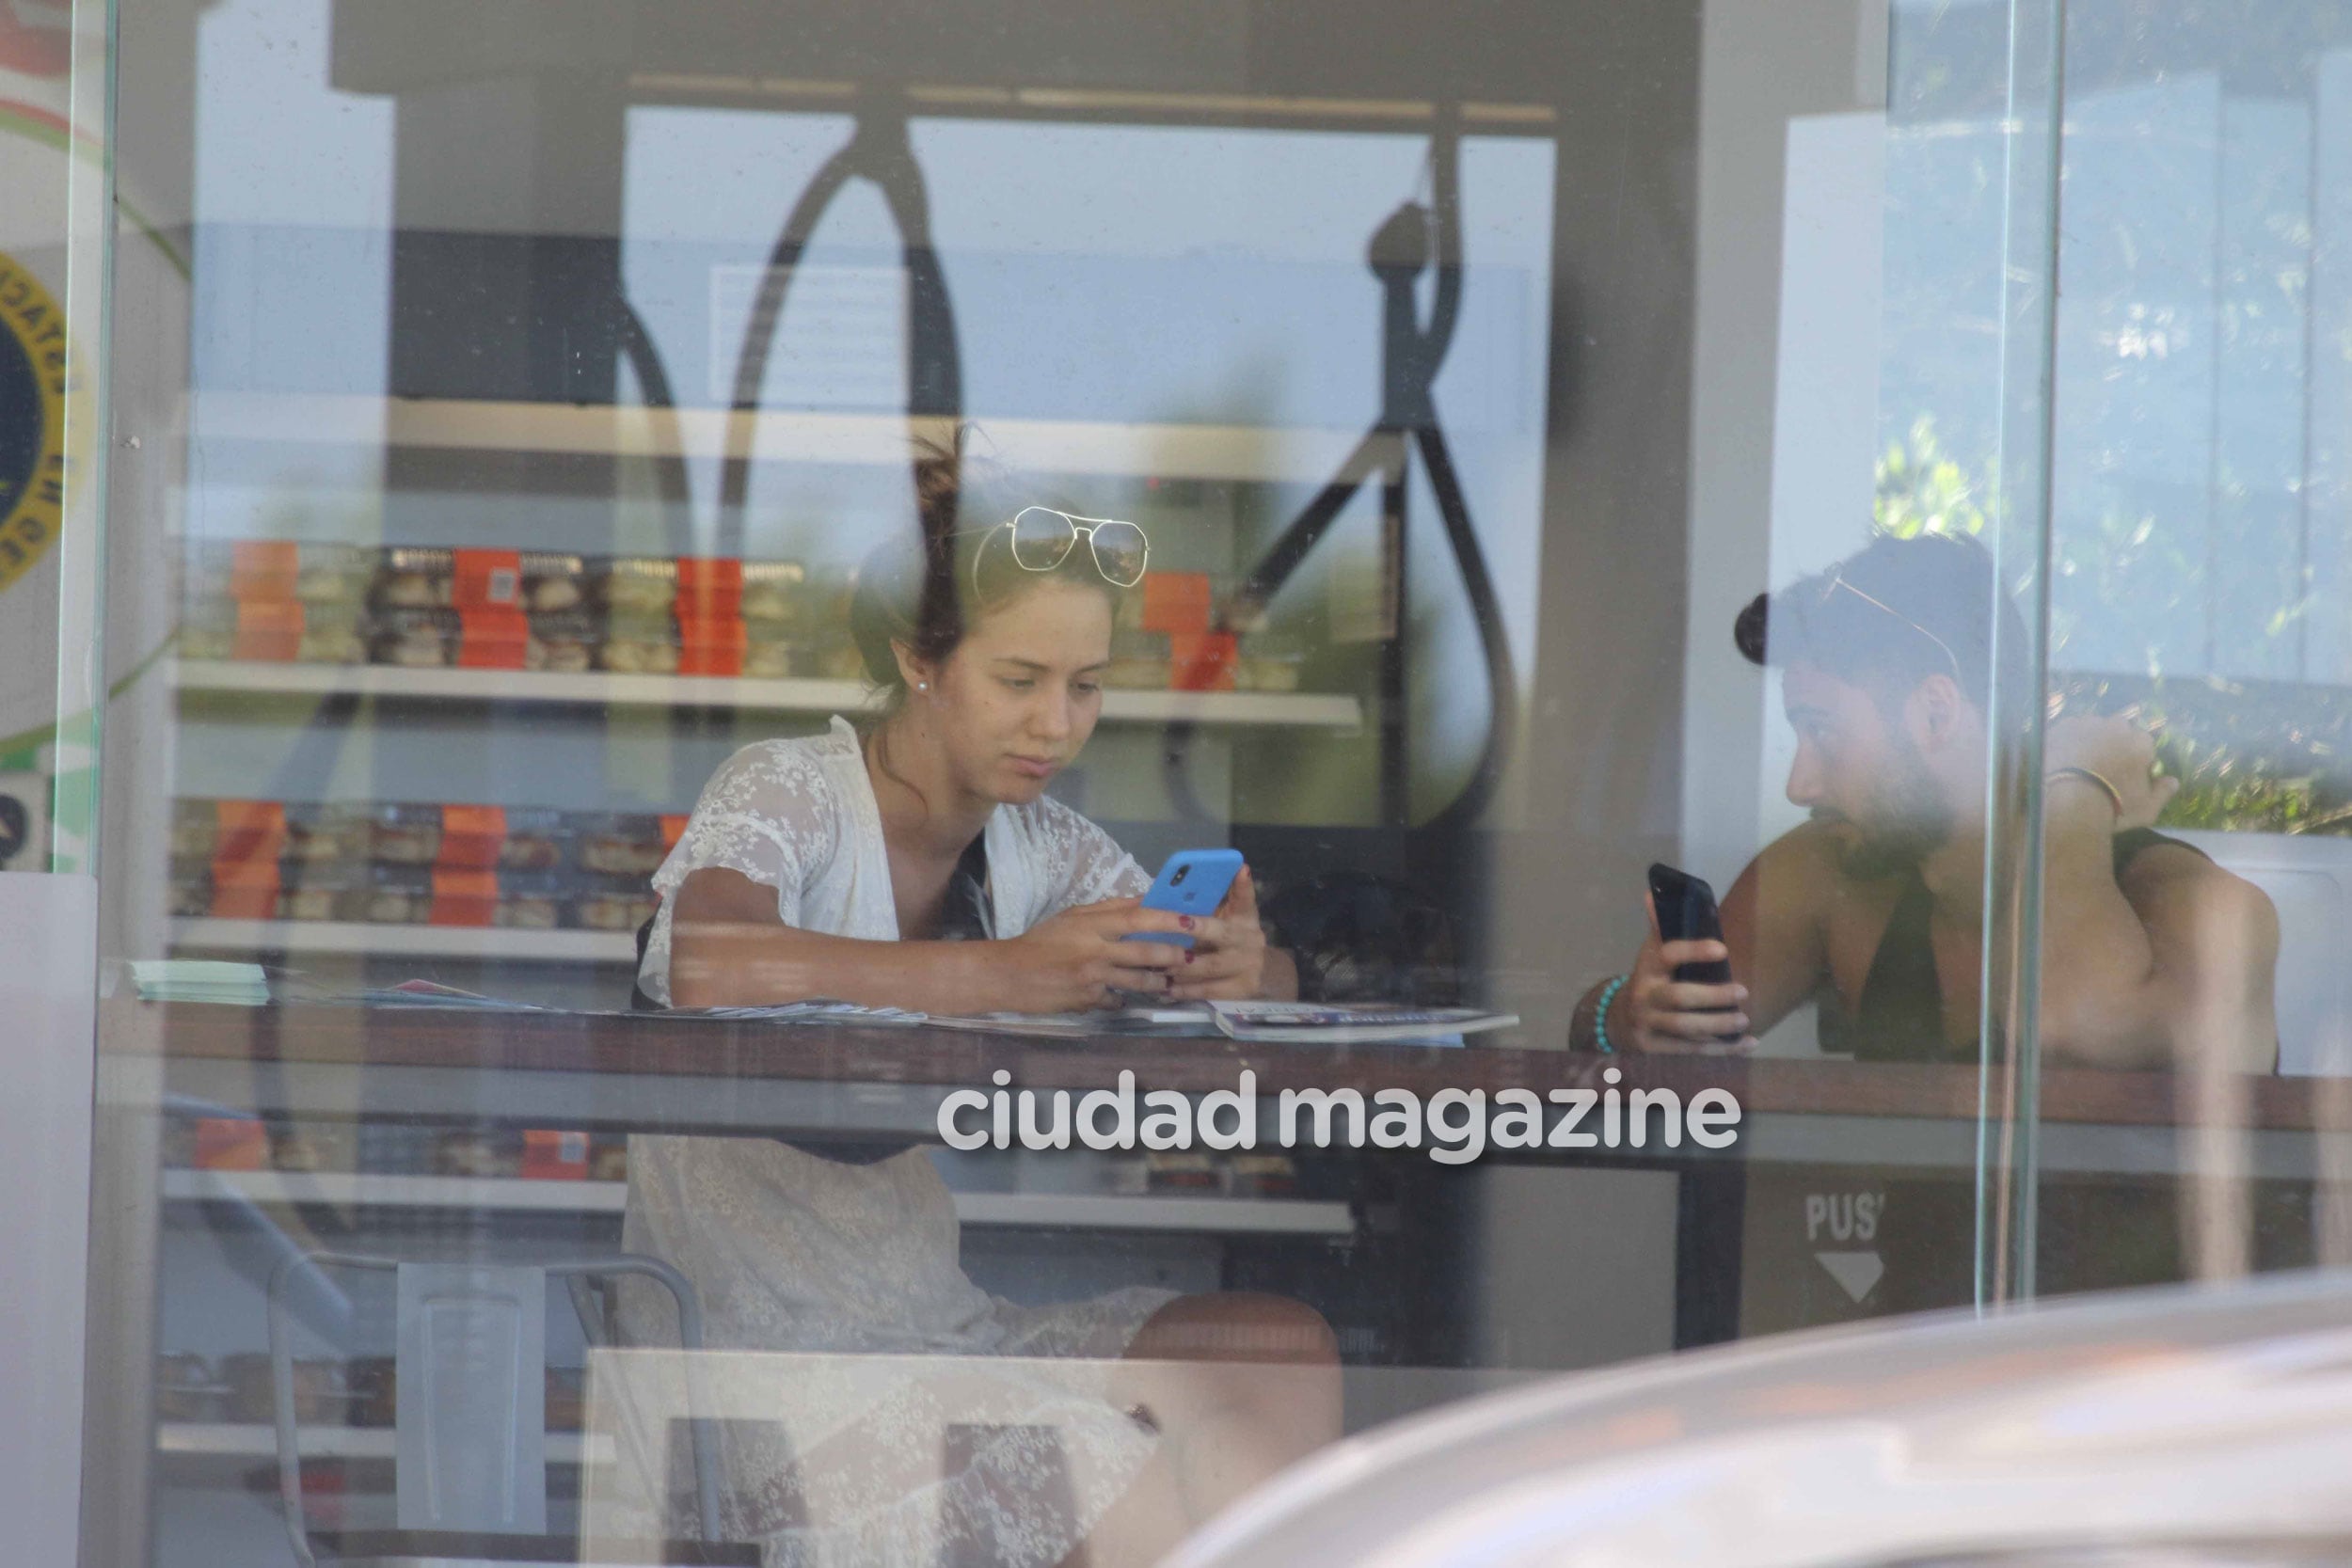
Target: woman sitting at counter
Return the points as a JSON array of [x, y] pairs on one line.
[[920, 865]]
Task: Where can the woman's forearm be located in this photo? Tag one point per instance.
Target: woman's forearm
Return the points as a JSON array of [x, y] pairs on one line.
[[743, 964]]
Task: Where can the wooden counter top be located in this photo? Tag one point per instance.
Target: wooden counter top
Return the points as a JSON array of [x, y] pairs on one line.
[[653, 1044]]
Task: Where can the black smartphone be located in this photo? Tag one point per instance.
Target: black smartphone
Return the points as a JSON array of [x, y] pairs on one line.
[[1687, 912]]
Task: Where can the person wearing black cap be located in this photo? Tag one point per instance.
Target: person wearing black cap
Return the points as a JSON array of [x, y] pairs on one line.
[[2153, 956]]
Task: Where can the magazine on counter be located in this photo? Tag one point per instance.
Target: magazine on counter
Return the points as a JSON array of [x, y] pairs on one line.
[[1180, 1019], [1344, 1022]]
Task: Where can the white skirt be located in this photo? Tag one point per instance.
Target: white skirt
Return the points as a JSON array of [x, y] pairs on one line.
[[910, 1426]]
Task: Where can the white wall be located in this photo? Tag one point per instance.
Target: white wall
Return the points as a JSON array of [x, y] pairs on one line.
[[1785, 391]]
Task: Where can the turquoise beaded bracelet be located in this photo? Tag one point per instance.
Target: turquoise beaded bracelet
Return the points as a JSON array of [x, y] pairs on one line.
[[1600, 1014]]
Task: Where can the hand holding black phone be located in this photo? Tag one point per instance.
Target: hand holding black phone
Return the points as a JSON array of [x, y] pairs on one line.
[[1686, 912]]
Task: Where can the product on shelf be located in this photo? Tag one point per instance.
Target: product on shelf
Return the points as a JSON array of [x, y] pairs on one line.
[[615, 903], [435, 578], [251, 1387], [244, 889], [772, 650], [462, 897], [608, 1158], [195, 829], [332, 634], [231, 1143], [191, 888], [188, 1389], [472, 1154], [1202, 660], [324, 892], [398, 895], [326, 831], [1263, 1174], [776, 593], [404, 834], [838, 661], [538, 838], [1139, 661], [1175, 601], [476, 638], [636, 585], [322, 1389], [412, 639], [275, 630], [627, 843], [1183, 1171], [1267, 672], [561, 641], [209, 631], [315, 574], [374, 1384], [710, 645], [554, 1155], [308, 1148], [553, 583], [532, 900], [640, 642]]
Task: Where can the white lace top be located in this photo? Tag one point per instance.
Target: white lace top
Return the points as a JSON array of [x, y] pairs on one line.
[[790, 1251], [799, 816]]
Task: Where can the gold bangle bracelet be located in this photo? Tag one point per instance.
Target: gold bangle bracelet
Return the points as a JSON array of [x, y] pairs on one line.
[[2114, 796]]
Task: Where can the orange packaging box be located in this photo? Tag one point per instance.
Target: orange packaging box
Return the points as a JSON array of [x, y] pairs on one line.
[[672, 829], [1202, 660], [471, 837], [710, 588], [230, 1143], [268, 629], [264, 569], [464, 898], [552, 1156], [486, 579], [708, 646], [249, 830], [1176, 601], [491, 637], [245, 888]]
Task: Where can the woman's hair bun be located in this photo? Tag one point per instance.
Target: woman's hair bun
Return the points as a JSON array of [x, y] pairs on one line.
[[914, 587]]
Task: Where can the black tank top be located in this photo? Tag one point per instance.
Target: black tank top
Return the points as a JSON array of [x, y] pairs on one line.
[[1899, 1015]]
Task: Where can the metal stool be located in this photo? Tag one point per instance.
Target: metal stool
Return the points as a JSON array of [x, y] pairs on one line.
[[469, 1477]]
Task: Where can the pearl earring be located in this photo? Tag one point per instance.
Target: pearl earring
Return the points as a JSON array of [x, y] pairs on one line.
[[922, 686]]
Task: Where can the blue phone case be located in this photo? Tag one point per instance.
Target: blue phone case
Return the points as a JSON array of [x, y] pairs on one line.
[[1193, 882]]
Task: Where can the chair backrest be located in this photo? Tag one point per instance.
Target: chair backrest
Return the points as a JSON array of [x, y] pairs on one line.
[[470, 1422], [471, 1380], [2308, 879]]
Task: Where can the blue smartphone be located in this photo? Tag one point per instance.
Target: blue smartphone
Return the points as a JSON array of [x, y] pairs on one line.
[[1193, 882]]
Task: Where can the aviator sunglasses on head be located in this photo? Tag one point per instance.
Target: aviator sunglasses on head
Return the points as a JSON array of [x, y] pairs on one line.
[[1838, 581], [1043, 538]]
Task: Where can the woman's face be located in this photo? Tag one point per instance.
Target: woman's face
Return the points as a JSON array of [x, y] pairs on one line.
[[1022, 691]]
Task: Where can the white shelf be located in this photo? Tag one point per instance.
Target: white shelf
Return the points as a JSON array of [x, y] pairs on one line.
[[1285, 1216], [1306, 454], [358, 938], [793, 695], [252, 1439], [352, 1190], [1093, 1211]]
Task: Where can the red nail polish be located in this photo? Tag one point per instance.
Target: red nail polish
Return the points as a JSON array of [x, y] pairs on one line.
[[1188, 955], [1186, 920]]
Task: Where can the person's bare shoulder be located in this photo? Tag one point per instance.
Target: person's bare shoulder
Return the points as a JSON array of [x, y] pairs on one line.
[[2178, 893]]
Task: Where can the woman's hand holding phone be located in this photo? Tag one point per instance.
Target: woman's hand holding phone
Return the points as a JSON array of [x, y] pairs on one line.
[[1656, 1012], [1227, 958], [1079, 960]]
